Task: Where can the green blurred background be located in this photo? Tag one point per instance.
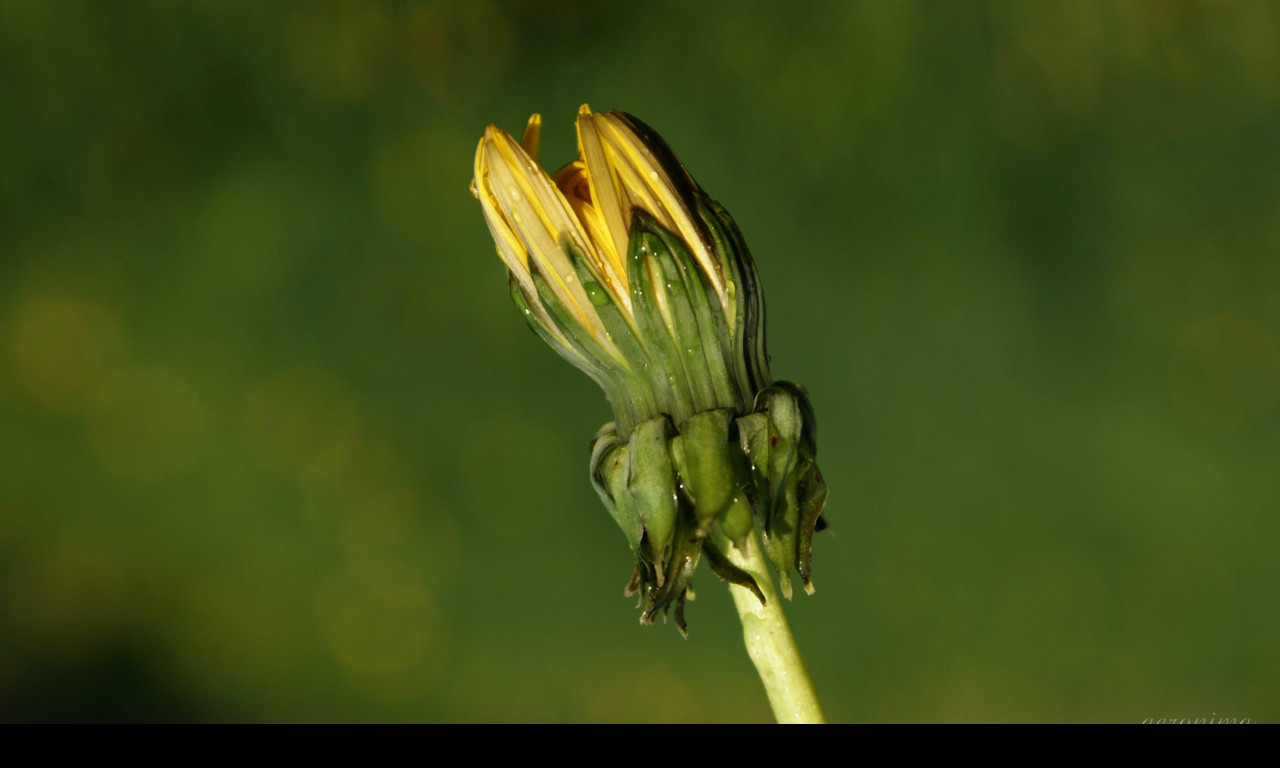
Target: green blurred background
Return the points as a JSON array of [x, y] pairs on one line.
[[274, 444]]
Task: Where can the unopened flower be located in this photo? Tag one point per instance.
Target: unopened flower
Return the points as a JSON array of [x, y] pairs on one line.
[[633, 274]]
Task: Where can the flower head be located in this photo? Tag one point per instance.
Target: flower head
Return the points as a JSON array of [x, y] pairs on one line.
[[631, 272]]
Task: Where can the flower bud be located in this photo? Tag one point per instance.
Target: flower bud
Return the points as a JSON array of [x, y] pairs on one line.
[[628, 270]]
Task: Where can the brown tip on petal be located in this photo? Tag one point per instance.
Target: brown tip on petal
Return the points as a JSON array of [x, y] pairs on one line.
[[681, 624], [636, 582]]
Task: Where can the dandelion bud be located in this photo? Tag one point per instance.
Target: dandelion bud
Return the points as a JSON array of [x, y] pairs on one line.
[[629, 271]]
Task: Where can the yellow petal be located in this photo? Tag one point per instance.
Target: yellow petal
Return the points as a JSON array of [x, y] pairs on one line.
[[531, 139], [510, 249], [509, 246], [605, 198], [573, 182], [648, 185], [538, 215]]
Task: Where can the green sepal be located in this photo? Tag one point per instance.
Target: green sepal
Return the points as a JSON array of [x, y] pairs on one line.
[[785, 406], [746, 320], [707, 470], [610, 467], [555, 340], [651, 484], [813, 497], [668, 586], [613, 376], [665, 290], [738, 518], [808, 422], [780, 537], [734, 317], [785, 429], [798, 510], [727, 571], [699, 319], [547, 334], [667, 373], [621, 333], [753, 438], [737, 521], [751, 299]]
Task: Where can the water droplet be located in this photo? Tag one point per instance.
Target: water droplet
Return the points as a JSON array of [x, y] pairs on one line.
[[474, 192]]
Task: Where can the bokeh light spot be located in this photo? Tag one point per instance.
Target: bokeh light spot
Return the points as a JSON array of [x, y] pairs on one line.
[[1225, 373], [382, 628], [148, 423], [63, 350], [393, 520], [303, 422]]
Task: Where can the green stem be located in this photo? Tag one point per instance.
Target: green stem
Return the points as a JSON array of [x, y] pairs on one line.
[[769, 641]]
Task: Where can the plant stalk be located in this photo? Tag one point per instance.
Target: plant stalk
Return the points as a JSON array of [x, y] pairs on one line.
[[769, 642]]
